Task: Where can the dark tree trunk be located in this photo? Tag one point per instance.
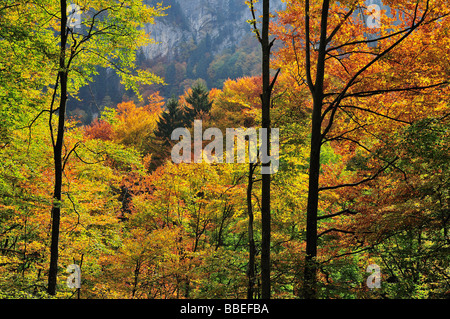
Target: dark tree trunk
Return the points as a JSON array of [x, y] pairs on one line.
[[310, 272], [309, 290], [57, 156], [317, 135], [251, 239], [265, 188]]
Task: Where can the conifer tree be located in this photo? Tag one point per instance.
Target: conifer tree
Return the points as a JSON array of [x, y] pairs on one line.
[[170, 120], [199, 101]]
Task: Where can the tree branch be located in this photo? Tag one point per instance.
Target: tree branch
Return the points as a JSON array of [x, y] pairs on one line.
[[361, 181], [253, 22], [346, 254], [342, 137], [274, 80], [340, 96], [66, 157], [308, 50], [345, 211], [408, 31], [376, 113], [50, 124], [336, 230], [336, 29], [382, 91]]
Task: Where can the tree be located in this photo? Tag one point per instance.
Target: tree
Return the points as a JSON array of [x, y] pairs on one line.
[[134, 126], [409, 230], [198, 98], [169, 120], [345, 62], [178, 115], [23, 71], [251, 236], [267, 86], [109, 38], [237, 104]]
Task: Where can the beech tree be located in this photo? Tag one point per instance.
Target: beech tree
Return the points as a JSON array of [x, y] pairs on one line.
[[349, 64], [109, 37], [267, 86], [93, 34]]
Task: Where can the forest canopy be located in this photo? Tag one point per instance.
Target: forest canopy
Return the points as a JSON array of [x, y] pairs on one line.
[[359, 207]]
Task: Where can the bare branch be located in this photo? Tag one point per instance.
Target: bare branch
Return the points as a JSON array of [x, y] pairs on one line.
[[297, 62], [116, 67], [346, 254], [368, 40], [274, 80], [340, 62], [33, 120], [349, 53], [9, 6]]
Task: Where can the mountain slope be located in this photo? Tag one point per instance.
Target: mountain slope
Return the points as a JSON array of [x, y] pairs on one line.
[[224, 22]]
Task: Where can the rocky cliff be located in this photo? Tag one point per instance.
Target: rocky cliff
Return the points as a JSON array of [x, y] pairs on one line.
[[224, 22]]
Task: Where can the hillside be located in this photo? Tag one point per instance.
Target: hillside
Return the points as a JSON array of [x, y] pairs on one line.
[[223, 24], [197, 40]]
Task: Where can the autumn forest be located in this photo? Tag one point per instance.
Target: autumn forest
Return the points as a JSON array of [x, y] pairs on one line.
[[358, 207]]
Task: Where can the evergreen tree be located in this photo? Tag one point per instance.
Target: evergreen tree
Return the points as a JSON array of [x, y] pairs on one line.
[[170, 120], [199, 101], [177, 115]]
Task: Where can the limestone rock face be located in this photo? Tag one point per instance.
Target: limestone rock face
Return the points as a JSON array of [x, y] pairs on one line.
[[224, 22]]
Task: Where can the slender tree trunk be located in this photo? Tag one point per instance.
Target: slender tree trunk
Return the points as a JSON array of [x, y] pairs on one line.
[[309, 290], [57, 156], [310, 272], [251, 239], [265, 188], [137, 271]]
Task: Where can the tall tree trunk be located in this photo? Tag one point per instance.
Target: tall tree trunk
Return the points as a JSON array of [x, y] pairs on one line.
[[310, 272], [309, 290], [57, 156], [251, 239], [265, 187]]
